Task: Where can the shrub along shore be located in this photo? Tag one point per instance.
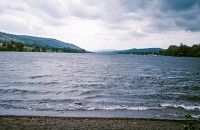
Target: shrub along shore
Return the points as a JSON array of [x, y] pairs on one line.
[[183, 50]]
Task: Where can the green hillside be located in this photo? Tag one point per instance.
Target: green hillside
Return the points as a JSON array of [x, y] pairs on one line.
[[11, 42]]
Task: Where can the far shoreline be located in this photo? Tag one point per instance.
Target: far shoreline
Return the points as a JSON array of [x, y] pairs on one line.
[[97, 54]]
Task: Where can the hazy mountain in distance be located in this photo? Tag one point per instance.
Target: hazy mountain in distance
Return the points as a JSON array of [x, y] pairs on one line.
[[103, 51], [140, 51]]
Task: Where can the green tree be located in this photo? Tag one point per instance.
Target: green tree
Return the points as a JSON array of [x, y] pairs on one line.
[[2, 48], [183, 50], [44, 49], [19, 46], [195, 50], [37, 48], [173, 50], [9, 47], [54, 49]]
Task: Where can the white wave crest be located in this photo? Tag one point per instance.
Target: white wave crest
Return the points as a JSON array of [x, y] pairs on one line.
[[190, 107], [118, 107], [72, 107]]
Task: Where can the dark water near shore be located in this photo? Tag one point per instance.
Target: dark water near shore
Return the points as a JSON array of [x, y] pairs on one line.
[[99, 85]]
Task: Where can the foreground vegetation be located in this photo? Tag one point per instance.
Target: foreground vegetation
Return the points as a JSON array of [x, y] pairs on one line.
[[191, 123], [27, 47], [183, 50]]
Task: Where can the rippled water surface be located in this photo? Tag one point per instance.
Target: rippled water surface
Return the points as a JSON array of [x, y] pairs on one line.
[[99, 85]]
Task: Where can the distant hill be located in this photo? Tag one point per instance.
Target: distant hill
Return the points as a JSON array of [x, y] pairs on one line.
[[37, 40], [140, 51]]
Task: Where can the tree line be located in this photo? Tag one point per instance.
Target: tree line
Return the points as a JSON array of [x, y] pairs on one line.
[[26, 47], [183, 50]]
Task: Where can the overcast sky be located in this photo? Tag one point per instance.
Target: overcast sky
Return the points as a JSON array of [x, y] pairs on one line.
[[105, 24]]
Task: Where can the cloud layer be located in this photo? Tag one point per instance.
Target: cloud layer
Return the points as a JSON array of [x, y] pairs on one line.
[[110, 24]]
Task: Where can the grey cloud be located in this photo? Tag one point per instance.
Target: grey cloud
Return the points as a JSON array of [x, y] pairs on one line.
[[85, 14], [175, 14], [13, 26], [50, 13], [134, 5], [167, 14], [110, 11], [161, 25], [60, 10], [163, 15], [137, 34], [192, 25], [179, 5], [11, 7], [53, 9], [189, 20]]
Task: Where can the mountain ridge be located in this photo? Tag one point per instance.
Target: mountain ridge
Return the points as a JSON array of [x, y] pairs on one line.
[[37, 40]]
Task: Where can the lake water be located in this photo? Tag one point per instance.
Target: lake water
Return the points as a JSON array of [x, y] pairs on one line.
[[94, 85]]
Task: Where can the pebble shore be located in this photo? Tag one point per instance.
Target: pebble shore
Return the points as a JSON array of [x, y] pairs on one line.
[[84, 123]]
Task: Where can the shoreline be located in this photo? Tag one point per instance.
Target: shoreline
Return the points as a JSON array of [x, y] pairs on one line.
[[50, 122]]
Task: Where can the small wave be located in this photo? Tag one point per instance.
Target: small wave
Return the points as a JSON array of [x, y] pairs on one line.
[[183, 89], [18, 91], [39, 76], [56, 101], [50, 83], [43, 83], [90, 92], [10, 101], [191, 107], [194, 98], [9, 106]]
